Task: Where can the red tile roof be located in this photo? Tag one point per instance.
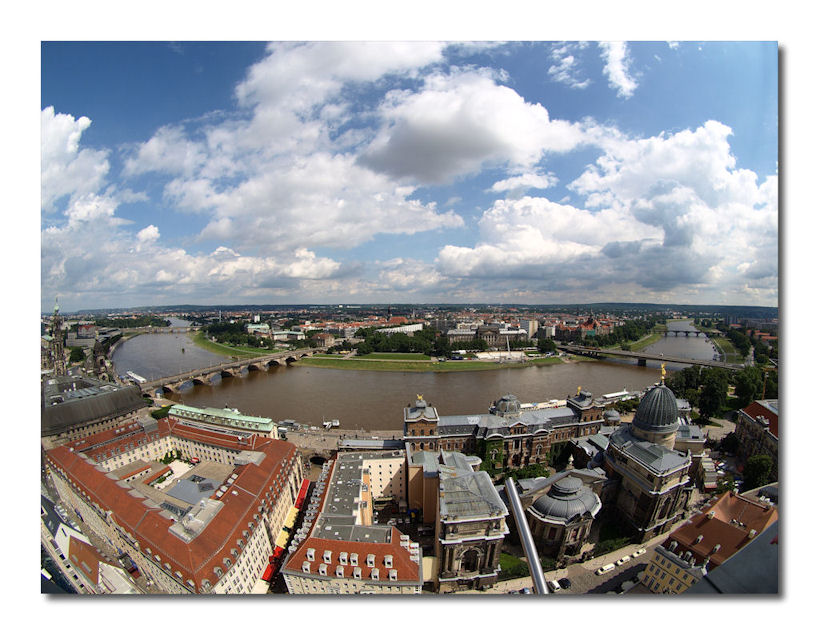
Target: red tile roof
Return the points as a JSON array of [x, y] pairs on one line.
[[194, 560], [758, 409], [719, 529]]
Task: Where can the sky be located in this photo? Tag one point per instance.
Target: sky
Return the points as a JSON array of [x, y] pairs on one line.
[[408, 172]]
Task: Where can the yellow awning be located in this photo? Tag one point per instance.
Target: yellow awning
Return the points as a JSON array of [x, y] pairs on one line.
[[291, 517]]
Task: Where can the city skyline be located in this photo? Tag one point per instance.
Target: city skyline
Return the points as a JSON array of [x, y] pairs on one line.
[[423, 172]]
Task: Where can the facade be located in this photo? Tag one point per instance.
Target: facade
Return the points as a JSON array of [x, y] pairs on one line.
[[706, 541], [225, 419], [509, 436], [654, 483], [467, 515], [757, 432], [407, 329], [77, 407], [341, 550], [560, 510], [209, 530]]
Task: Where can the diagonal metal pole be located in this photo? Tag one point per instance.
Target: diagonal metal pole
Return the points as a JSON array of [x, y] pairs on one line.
[[535, 569]]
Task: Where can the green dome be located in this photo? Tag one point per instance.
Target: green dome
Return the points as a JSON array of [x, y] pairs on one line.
[[657, 412]]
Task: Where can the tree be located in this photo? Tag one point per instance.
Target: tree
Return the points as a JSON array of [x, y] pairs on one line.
[[748, 382], [757, 471], [546, 345], [714, 392], [77, 355]]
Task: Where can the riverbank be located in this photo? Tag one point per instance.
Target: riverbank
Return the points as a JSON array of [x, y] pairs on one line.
[[410, 365], [201, 340]]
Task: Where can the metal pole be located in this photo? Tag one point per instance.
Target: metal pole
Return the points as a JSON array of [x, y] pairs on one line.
[[535, 569]]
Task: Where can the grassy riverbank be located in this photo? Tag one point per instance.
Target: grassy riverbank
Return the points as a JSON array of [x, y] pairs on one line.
[[396, 365], [243, 352]]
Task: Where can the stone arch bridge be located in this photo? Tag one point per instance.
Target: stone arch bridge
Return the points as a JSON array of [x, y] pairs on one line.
[[204, 376]]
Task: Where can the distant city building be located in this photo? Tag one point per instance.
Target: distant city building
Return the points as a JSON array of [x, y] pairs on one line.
[[406, 329], [258, 329]]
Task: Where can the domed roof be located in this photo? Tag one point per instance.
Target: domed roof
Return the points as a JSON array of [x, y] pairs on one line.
[[507, 405], [566, 499], [657, 411]]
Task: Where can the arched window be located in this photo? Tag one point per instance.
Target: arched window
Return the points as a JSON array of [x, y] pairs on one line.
[[469, 560]]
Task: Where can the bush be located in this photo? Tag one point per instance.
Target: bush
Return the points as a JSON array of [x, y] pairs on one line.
[[162, 412], [512, 567]]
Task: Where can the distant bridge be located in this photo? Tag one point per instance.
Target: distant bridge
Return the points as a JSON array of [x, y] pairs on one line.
[[643, 356], [161, 330], [677, 332], [204, 376]]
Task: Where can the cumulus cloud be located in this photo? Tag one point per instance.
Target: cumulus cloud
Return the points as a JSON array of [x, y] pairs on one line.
[[65, 169], [616, 69], [460, 122], [566, 69], [522, 182], [663, 213]]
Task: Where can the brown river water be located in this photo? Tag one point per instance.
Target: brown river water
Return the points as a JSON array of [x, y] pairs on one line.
[[374, 400]]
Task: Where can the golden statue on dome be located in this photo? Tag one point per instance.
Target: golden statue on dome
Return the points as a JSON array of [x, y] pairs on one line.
[[662, 373]]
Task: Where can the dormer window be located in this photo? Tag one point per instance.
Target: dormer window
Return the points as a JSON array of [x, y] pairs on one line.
[[328, 557], [342, 557], [374, 573], [354, 559], [311, 554], [370, 560], [388, 561], [305, 566], [339, 571], [393, 575], [323, 570]]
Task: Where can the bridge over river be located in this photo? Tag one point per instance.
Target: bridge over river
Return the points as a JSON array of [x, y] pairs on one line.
[[643, 356], [204, 376]]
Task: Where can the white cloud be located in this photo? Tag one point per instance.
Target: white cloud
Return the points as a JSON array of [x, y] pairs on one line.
[[664, 213], [522, 182], [167, 151], [65, 169], [616, 69], [460, 122], [566, 68]]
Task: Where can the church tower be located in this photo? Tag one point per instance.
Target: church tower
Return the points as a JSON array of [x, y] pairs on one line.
[[57, 350]]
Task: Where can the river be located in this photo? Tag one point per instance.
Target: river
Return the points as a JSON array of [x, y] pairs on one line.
[[374, 400]]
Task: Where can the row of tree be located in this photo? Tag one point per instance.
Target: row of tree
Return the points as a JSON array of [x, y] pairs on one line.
[[631, 330], [707, 388]]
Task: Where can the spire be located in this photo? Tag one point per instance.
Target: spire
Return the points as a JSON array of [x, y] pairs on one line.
[[56, 306]]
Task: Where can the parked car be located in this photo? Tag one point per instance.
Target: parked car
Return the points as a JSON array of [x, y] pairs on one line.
[[565, 583], [526, 591], [553, 585], [604, 569], [637, 553], [623, 560]]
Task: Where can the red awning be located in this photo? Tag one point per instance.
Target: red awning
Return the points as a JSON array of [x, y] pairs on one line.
[[268, 573]]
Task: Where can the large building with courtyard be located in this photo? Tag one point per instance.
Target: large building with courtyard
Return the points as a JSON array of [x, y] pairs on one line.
[[191, 526]]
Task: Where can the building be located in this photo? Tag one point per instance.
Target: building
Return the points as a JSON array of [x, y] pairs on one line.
[[466, 513], [757, 432], [226, 418], [339, 550], [206, 529], [706, 541], [509, 435], [560, 510], [260, 330], [407, 329], [75, 407], [324, 339], [654, 485]]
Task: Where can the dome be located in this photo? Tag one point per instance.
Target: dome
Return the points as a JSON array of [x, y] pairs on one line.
[[611, 415], [657, 411], [506, 405], [567, 498]]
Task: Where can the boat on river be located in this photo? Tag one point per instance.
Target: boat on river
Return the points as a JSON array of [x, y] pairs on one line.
[[331, 423]]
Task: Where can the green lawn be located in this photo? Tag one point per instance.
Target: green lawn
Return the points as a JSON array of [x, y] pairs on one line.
[[218, 348], [398, 356], [392, 365], [728, 350], [512, 567]]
